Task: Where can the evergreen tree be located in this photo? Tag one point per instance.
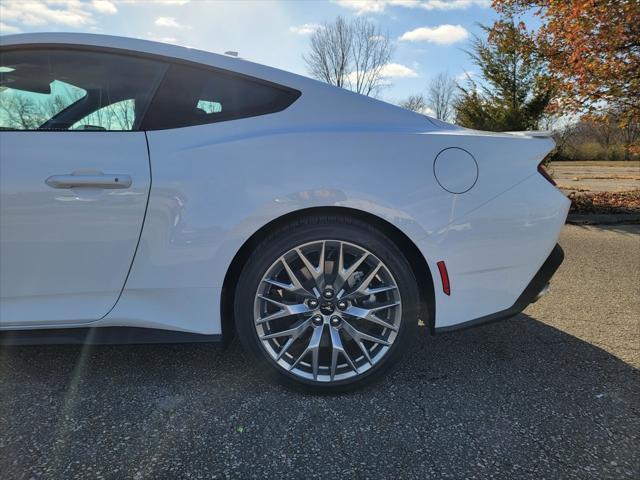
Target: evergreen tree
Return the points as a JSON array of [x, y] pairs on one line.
[[513, 92]]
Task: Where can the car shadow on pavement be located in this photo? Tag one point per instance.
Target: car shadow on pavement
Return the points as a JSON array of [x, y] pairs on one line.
[[513, 398], [627, 229]]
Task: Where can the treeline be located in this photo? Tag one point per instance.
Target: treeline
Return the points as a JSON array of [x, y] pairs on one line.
[[578, 74], [595, 138]]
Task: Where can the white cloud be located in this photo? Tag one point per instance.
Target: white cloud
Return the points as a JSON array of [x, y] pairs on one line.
[[453, 4], [37, 13], [404, 3], [306, 29], [397, 70], [104, 6], [363, 6], [161, 39], [377, 6], [168, 22], [464, 75], [68, 13], [442, 34], [390, 70], [161, 2], [4, 29]]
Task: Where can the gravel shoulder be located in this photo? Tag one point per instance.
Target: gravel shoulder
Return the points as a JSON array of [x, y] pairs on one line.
[[552, 393]]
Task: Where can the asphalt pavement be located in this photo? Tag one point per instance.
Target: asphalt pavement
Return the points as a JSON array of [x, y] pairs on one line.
[[552, 393], [595, 176]]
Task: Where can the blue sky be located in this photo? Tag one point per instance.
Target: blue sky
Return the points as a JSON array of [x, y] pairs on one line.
[[429, 35]]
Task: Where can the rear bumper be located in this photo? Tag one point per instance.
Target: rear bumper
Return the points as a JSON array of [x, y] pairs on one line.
[[529, 295]]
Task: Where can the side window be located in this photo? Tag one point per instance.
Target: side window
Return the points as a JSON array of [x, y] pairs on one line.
[[209, 107], [117, 116], [194, 96], [75, 90], [28, 109]]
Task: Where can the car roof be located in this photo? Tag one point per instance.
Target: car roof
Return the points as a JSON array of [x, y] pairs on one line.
[[322, 99], [137, 45]]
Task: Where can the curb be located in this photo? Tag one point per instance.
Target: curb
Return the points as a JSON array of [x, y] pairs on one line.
[[602, 218]]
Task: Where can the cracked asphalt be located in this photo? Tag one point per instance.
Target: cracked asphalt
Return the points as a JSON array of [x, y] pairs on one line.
[[553, 393]]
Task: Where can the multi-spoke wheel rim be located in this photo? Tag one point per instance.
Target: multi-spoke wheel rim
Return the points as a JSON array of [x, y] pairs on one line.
[[327, 310]]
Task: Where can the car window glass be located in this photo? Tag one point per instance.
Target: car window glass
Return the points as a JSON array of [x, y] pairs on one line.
[[209, 107], [75, 90], [194, 96], [117, 116], [27, 110]]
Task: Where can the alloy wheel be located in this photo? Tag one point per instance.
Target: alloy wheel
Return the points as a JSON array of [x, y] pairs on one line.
[[327, 310]]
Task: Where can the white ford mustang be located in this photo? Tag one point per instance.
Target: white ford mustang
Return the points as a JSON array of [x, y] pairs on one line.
[[151, 192]]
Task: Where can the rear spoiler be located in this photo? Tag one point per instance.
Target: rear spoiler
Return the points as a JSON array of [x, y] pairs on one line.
[[541, 134], [533, 133]]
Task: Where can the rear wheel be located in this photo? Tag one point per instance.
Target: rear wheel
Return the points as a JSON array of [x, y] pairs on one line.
[[328, 302]]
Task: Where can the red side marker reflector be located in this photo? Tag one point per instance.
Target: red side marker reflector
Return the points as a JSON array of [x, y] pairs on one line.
[[543, 171], [444, 276]]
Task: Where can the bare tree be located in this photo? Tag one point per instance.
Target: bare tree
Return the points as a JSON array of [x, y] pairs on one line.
[[415, 103], [371, 50], [122, 115], [597, 137], [631, 138], [24, 111], [441, 96], [563, 130], [17, 112], [350, 54], [331, 52]]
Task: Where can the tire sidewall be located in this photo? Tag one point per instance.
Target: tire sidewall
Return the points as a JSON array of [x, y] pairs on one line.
[[282, 241]]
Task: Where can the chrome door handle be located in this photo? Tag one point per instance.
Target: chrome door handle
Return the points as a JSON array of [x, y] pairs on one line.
[[100, 180]]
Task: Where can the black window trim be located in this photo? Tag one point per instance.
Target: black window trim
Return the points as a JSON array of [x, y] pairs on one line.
[[296, 94]]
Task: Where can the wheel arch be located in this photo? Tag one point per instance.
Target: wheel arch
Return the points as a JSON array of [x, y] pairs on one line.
[[419, 265]]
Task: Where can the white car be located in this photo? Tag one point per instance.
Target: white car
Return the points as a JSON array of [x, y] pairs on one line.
[[154, 193]]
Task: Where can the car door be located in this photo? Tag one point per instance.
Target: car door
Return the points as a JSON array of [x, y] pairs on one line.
[[74, 181]]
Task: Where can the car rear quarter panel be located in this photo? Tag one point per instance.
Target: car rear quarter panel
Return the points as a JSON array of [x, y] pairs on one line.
[[215, 185]]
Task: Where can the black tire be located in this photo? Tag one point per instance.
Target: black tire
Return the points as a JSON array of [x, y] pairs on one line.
[[315, 228]]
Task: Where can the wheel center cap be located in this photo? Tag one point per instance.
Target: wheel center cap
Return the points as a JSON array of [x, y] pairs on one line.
[[327, 308]]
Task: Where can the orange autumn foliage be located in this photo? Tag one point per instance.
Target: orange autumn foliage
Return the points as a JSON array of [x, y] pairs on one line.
[[593, 51]]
